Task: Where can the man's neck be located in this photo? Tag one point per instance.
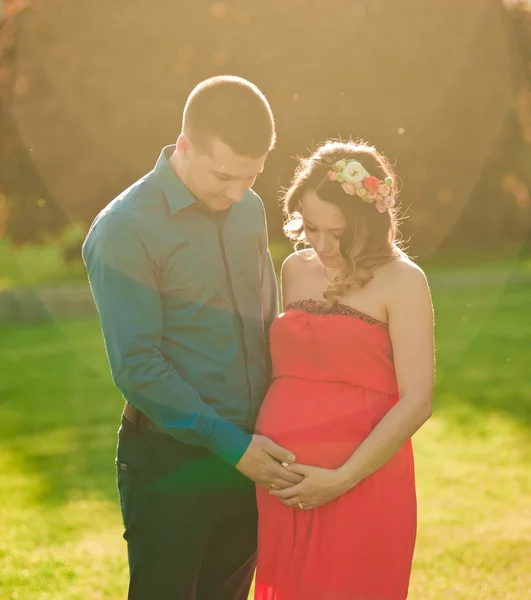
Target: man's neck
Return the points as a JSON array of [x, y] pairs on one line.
[[177, 166], [179, 169]]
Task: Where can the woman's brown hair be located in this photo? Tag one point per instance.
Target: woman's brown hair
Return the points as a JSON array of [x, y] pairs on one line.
[[370, 239]]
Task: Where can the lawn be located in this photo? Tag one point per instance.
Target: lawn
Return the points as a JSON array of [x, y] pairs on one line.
[[35, 265], [61, 527]]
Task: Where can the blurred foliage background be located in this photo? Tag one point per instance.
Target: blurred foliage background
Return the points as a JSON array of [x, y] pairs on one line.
[[90, 92]]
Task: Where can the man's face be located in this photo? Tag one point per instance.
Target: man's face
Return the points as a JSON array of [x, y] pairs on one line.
[[217, 176]]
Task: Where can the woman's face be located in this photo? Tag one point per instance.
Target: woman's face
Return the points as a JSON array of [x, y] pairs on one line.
[[324, 224]]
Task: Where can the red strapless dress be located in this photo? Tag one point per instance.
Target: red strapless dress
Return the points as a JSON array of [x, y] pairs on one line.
[[334, 379]]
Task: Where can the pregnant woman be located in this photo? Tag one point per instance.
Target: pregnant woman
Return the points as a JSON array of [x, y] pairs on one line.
[[353, 379]]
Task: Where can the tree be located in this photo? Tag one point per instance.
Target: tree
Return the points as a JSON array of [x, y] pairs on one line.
[[431, 85]]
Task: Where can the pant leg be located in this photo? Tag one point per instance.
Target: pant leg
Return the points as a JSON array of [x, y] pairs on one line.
[[230, 559], [165, 554], [173, 496]]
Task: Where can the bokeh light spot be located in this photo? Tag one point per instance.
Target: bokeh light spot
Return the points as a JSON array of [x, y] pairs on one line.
[[218, 10]]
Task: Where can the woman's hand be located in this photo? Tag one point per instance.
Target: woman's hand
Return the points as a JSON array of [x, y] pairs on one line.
[[318, 487]]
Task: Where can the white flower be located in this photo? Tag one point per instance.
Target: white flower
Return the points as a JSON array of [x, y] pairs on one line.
[[354, 172], [349, 188]]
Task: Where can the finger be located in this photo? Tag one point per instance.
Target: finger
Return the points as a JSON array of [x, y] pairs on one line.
[[278, 472], [264, 484], [279, 453], [276, 483], [280, 484], [297, 468], [289, 492], [294, 502], [290, 502]]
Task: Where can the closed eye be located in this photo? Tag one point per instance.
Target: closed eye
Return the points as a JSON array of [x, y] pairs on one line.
[[337, 236]]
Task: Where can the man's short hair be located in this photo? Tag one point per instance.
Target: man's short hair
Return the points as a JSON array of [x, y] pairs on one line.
[[233, 110]]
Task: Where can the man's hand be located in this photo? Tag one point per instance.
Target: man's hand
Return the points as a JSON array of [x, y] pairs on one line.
[[319, 487], [262, 463]]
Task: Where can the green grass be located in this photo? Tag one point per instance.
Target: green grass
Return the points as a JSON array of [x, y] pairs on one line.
[[59, 513], [34, 265], [43, 265]]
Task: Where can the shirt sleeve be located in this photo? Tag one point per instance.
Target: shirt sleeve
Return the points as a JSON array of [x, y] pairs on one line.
[[124, 284]]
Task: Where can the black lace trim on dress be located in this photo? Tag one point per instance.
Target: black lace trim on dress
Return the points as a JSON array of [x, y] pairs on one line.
[[320, 307]]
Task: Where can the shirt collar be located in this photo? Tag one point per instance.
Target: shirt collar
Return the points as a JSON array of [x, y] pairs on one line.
[[177, 194]]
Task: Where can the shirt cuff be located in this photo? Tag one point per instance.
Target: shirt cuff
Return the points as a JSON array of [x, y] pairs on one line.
[[228, 441]]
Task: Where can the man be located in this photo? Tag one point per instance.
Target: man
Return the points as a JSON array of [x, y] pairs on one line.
[[182, 277]]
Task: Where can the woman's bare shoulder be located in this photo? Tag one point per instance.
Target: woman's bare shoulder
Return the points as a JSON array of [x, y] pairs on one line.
[[402, 268], [298, 260], [404, 280]]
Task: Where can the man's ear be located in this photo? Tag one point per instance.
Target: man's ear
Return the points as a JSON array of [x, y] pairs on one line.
[[183, 145]]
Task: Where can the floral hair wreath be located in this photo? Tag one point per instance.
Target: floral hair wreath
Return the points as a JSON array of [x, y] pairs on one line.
[[357, 181]]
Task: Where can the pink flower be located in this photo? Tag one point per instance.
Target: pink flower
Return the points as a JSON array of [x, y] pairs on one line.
[[349, 188], [384, 204], [372, 195], [372, 183], [384, 190], [332, 175]]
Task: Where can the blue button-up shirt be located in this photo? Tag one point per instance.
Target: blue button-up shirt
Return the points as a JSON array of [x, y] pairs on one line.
[[185, 298]]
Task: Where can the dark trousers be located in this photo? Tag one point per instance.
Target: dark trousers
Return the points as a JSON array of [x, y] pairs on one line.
[[190, 519]]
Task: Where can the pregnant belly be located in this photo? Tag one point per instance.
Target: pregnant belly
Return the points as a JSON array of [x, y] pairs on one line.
[[322, 423]]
